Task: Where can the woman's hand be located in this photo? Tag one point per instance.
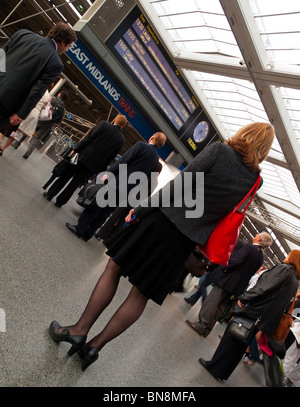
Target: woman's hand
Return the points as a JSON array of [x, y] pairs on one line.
[[129, 216]]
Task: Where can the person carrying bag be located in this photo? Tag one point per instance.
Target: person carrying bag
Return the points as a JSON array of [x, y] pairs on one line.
[[264, 305]]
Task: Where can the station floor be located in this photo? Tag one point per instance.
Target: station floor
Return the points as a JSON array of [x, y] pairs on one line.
[[47, 273]]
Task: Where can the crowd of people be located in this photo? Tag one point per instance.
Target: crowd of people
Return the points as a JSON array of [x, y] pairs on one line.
[[154, 247]]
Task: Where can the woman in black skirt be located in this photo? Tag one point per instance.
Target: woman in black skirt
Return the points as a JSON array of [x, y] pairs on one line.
[[152, 251]]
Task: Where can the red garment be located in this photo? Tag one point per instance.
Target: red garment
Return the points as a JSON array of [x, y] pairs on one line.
[[263, 344]]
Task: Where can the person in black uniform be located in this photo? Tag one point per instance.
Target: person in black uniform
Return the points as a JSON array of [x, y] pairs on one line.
[[32, 64], [141, 157], [96, 150]]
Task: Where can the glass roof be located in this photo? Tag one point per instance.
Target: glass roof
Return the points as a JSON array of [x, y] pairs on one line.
[[278, 23], [198, 25], [201, 27]]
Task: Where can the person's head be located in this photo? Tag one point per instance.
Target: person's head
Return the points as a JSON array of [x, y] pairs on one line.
[[63, 35], [294, 260], [263, 239], [120, 121], [158, 139], [63, 95], [253, 142]]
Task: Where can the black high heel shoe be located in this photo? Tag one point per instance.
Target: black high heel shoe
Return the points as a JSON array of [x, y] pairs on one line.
[[77, 341], [88, 355]]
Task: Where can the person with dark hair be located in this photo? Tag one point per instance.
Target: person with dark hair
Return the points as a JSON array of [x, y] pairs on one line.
[[32, 65], [151, 252], [265, 302], [44, 128]]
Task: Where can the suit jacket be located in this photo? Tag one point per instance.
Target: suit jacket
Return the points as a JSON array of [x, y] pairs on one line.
[[141, 157], [100, 146], [32, 64], [242, 265]]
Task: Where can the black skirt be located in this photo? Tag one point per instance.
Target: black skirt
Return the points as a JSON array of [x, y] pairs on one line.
[[152, 253]]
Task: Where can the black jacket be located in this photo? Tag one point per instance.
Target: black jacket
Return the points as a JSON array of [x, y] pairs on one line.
[[32, 64], [242, 265], [270, 297], [100, 146]]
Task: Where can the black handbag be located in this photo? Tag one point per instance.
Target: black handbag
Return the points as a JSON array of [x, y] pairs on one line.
[[242, 328], [88, 193]]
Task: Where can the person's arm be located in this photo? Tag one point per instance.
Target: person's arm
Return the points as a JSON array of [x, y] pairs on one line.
[[269, 281], [201, 163], [48, 75], [126, 158], [92, 134]]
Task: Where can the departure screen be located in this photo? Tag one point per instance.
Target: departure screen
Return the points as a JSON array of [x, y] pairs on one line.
[[142, 55]]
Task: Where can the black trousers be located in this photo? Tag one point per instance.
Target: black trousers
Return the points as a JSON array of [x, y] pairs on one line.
[[227, 355], [91, 219], [78, 174], [4, 121]]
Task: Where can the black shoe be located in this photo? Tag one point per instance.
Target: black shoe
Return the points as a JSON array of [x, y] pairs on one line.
[[88, 355], [45, 195], [205, 364], [196, 326], [1, 151], [25, 156], [73, 229], [56, 204], [187, 300], [77, 341]]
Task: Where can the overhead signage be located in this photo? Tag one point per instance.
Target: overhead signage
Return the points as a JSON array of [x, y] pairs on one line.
[[85, 60], [139, 50]]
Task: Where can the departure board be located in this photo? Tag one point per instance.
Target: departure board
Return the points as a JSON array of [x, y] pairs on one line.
[[139, 50]]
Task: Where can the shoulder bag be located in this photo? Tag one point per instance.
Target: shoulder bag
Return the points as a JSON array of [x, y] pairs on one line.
[[223, 238], [46, 112], [242, 328]]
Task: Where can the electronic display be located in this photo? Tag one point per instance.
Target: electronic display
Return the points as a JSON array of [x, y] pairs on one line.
[[140, 52]]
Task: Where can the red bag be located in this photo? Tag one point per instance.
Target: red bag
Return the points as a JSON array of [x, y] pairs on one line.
[[223, 238]]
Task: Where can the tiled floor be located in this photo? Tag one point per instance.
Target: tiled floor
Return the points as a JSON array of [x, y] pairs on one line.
[[47, 273]]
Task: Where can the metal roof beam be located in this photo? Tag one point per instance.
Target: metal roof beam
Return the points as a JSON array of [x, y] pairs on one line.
[[241, 19]]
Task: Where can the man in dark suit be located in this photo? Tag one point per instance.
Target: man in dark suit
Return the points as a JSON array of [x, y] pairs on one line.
[[141, 157], [230, 281], [96, 151], [32, 64]]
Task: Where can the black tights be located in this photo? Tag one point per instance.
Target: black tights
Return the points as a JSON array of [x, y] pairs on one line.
[[104, 291]]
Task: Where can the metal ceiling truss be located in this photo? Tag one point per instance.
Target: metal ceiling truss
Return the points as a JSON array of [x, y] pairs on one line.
[[253, 68]]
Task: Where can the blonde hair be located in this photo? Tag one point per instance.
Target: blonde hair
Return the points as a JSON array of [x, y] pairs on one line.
[[253, 142]]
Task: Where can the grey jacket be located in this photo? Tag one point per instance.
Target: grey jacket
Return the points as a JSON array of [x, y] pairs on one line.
[[226, 181]]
